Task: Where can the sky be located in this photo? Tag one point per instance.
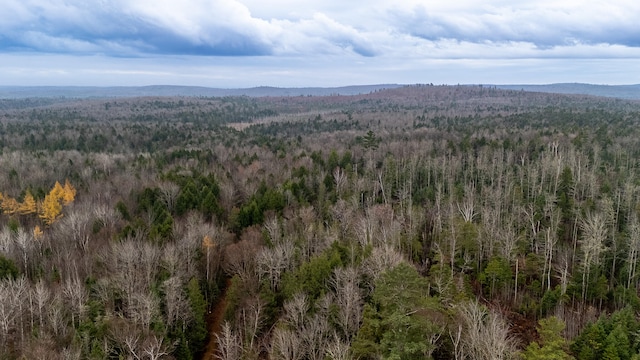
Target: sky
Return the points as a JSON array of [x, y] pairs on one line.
[[327, 43]]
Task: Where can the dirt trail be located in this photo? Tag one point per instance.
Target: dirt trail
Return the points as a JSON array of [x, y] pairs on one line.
[[214, 323]]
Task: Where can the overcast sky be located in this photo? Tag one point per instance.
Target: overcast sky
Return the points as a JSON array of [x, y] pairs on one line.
[[298, 43]]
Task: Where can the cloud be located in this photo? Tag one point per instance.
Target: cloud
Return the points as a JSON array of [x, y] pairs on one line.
[[190, 27], [306, 28], [124, 28], [306, 42], [542, 23]]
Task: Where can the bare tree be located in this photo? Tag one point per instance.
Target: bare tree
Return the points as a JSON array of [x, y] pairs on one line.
[[337, 349], [250, 321], [56, 317], [340, 179], [155, 348], [229, 344], [594, 233], [106, 215], [144, 308], [7, 312], [76, 226], [240, 260], [381, 259], [76, 294], [467, 208], [169, 193], [314, 335], [349, 299], [176, 303], [295, 310], [285, 345], [456, 340], [634, 250], [272, 262], [41, 294], [25, 243], [487, 334]]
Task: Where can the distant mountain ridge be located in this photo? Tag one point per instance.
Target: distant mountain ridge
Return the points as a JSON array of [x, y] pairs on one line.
[[630, 92], [171, 90]]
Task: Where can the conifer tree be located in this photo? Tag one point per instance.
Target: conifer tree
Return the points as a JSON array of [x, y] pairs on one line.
[[51, 209], [28, 205], [9, 205], [69, 193]]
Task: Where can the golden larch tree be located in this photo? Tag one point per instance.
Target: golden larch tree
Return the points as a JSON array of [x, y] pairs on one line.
[[57, 192], [10, 205], [51, 209], [28, 205], [69, 193], [37, 232]]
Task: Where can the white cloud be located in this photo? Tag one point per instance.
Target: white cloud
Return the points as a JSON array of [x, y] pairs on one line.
[[303, 40]]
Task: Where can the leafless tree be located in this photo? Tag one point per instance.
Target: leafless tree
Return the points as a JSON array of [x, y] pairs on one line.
[[76, 295], [349, 299], [176, 303], [56, 316], [467, 208], [285, 345], [155, 347], [456, 340], [272, 262], [76, 225], [337, 349], [486, 333], [314, 335], [7, 312], [106, 215], [41, 293], [295, 310], [25, 243], [340, 179], [240, 260], [250, 320], [381, 259], [172, 260], [634, 250], [144, 308], [594, 233], [273, 228], [229, 344], [169, 193]]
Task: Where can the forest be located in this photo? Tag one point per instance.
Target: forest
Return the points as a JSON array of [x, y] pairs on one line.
[[419, 222]]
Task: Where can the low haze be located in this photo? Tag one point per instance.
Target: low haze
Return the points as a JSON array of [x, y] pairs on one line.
[[245, 43]]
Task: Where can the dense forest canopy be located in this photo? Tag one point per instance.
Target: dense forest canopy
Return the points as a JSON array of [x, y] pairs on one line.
[[444, 222]]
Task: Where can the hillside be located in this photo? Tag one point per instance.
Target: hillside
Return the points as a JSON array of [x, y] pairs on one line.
[[412, 222], [16, 92], [631, 92], [615, 91]]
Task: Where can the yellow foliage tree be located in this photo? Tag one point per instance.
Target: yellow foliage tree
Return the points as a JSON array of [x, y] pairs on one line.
[[57, 192], [69, 193], [10, 205], [51, 209], [28, 205], [37, 232]]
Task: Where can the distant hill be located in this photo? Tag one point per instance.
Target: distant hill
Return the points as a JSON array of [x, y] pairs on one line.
[[631, 92], [16, 92], [616, 91]]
